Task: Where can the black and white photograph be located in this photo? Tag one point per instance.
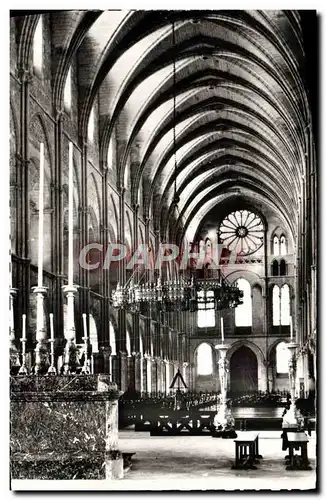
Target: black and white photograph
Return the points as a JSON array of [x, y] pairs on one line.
[[163, 250]]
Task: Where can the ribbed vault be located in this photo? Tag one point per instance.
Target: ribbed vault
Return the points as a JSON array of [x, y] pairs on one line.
[[241, 105]]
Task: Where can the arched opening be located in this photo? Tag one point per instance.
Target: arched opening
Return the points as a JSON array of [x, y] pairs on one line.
[[282, 268], [276, 246], [283, 249], [243, 312], [206, 309], [275, 268], [243, 371], [204, 359]]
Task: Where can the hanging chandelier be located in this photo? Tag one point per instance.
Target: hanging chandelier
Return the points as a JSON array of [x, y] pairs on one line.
[[186, 293]]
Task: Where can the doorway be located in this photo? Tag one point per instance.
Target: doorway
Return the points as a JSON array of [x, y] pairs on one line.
[[243, 371]]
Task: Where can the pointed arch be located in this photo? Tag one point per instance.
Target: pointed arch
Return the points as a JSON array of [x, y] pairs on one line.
[[276, 246]]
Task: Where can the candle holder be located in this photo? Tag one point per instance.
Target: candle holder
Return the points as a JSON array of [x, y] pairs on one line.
[[70, 363], [292, 418], [14, 354], [86, 367], [41, 349], [52, 369], [224, 423], [23, 369]]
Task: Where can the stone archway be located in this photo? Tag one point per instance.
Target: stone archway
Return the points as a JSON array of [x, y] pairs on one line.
[[243, 371]]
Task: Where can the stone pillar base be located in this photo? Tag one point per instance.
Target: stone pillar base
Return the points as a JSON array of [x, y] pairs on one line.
[[113, 465], [292, 418], [224, 423]]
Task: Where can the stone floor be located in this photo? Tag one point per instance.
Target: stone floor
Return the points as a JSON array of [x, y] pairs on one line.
[[194, 463], [202, 462]]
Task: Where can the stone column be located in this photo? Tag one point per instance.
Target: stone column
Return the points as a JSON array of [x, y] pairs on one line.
[[306, 373], [192, 376], [138, 361], [123, 371], [41, 350], [223, 420], [70, 351], [144, 370], [262, 376], [292, 417], [115, 369], [148, 360], [153, 375], [185, 370], [169, 375], [131, 372], [159, 374], [113, 457]]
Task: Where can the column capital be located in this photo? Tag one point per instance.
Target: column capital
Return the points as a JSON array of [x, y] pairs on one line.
[[25, 75], [40, 289], [121, 190], [59, 115]]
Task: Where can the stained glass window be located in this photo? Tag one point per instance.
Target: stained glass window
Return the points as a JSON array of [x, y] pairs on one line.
[[204, 359], [90, 129], [243, 312], [67, 91], [242, 232], [38, 45], [281, 305], [276, 246], [206, 310], [276, 305], [283, 250]]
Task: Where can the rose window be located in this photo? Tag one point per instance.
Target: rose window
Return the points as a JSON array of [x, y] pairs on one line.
[[242, 231]]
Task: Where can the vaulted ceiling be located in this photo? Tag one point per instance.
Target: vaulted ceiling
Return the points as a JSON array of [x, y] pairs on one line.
[[241, 106]]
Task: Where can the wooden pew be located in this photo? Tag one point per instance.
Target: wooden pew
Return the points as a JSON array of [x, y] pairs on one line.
[[246, 450], [296, 441]]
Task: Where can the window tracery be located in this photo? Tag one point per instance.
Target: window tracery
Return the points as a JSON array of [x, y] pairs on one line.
[[242, 231]]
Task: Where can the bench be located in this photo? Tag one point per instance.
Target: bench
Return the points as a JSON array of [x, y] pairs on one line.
[[246, 450], [296, 441]]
